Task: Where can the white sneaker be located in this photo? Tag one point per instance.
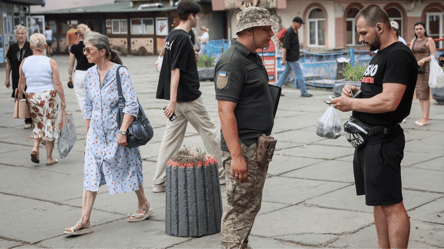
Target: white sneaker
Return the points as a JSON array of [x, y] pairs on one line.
[[27, 126], [158, 188]]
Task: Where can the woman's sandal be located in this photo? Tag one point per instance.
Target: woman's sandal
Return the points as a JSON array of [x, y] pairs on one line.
[[141, 217], [34, 158], [417, 123], [77, 230]]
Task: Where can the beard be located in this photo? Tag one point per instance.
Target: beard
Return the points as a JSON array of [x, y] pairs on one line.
[[375, 44]]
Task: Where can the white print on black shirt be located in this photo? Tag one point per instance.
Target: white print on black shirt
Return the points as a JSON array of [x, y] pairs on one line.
[[371, 71], [168, 45]]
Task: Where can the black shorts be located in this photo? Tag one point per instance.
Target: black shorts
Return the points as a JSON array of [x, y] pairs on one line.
[[377, 170], [49, 43]]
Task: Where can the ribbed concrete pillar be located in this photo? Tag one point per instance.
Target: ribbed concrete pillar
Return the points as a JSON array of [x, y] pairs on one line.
[[193, 199]]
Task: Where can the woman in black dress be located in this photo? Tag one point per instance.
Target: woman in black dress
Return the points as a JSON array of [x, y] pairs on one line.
[[16, 53]]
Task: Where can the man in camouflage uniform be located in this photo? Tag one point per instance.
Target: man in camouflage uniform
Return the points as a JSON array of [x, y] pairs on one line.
[[246, 112]]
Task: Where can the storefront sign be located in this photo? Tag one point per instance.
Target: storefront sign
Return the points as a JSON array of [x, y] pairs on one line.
[[162, 26], [268, 56]]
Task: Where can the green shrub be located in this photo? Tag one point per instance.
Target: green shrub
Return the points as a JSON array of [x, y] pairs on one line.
[[206, 61], [354, 73]]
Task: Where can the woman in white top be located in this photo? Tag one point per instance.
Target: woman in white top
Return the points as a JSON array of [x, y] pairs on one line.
[[203, 40], [41, 76], [49, 40]]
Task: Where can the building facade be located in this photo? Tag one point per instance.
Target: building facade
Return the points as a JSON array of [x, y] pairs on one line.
[[330, 25], [15, 13]]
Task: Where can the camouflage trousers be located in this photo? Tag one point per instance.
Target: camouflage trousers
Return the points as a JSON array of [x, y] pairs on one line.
[[243, 200]]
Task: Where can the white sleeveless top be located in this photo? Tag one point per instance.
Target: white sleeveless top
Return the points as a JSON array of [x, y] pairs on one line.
[[48, 34], [38, 74]]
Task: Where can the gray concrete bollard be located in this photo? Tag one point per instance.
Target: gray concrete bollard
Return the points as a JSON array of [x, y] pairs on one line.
[[193, 199]]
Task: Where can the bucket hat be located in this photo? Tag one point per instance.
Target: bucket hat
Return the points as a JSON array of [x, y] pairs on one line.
[[253, 17]]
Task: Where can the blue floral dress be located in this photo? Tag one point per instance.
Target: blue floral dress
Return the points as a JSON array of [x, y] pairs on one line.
[[106, 162]]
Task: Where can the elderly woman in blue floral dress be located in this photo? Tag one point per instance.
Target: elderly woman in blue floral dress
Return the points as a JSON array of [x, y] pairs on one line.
[[107, 160]]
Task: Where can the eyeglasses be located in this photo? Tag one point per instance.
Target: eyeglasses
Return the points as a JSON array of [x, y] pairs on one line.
[[87, 50]]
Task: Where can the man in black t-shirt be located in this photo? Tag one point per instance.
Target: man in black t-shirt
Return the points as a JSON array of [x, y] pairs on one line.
[[179, 83], [290, 57], [386, 98]]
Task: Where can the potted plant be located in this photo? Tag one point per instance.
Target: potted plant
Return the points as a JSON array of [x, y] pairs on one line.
[[205, 68], [352, 76]]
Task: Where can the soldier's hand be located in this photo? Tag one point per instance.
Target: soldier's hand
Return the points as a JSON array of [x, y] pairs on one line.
[[239, 169]]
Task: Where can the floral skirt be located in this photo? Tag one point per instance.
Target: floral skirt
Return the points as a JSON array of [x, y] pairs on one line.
[[43, 109]]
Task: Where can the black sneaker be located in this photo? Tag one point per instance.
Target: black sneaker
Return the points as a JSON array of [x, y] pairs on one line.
[[306, 95], [282, 95]]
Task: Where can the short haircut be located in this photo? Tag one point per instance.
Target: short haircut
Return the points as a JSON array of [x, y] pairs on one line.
[[373, 15], [37, 41], [25, 29], [186, 8]]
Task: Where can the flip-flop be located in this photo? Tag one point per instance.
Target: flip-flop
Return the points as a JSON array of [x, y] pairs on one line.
[[417, 123], [142, 217], [34, 158], [76, 230], [55, 161]]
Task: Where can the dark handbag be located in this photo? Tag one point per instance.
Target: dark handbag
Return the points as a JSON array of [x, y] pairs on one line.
[[358, 132], [140, 132], [421, 70]]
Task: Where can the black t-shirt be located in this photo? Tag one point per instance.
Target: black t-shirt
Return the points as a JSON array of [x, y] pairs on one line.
[[82, 62], [291, 43], [240, 77], [179, 53], [15, 56], [394, 64]]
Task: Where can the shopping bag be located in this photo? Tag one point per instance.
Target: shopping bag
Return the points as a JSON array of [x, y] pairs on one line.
[[329, 124], [67, 134], [436, 75], [21, 109], [159, 63]]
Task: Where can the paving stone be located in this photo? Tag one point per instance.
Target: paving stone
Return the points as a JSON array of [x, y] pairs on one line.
[[346, 199], [301, 219], [435, 145], [300, 190], [435, 164], [412, 158], [6, 148], [326, 170], [422, 179], [367, 237], [431, 212], [319, 152], [282, 164], [8, 243], [317, 240], [46, 221], [299, 137], [119, 234]]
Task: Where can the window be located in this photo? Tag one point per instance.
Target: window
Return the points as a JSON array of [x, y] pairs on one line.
[[352, 35], [316, 24], [142, 26], [435, 25], [119, 26], [395, 15]]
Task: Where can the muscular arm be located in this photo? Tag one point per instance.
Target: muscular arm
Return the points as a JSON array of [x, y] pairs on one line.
[[175, 77], [387, 101], [228, 122]]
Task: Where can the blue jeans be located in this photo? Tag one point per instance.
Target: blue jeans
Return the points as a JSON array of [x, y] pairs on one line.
[[293, 65]]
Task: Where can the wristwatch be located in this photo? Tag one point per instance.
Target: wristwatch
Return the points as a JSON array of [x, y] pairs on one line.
[[122, 132]]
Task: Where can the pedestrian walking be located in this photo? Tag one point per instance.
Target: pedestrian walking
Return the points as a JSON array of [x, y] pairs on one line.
[[423, 48], [246, 112], [385, 100], [179, 83], [16, 53], [107, 159], [49, 40], [290, 57], [71, 37], [203, 40], [76, 53], [41, 76]]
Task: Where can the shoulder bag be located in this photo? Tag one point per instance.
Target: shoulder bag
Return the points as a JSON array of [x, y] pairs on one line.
[[140, 132]]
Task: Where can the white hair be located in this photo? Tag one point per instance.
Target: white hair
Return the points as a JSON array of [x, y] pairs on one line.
[[38, 41], [20, 27]]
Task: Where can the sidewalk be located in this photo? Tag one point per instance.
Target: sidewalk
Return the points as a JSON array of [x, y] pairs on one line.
[[309, 197]]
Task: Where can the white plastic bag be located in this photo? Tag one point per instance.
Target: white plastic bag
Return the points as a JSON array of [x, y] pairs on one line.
[[159, 63], [436, 75], [67, 134], [330, 125]]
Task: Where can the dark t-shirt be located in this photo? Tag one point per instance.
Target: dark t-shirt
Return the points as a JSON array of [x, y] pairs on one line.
[[240, 77], [394, 64], [291, 43], [82, 62], [179, 53], [15, 56]]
